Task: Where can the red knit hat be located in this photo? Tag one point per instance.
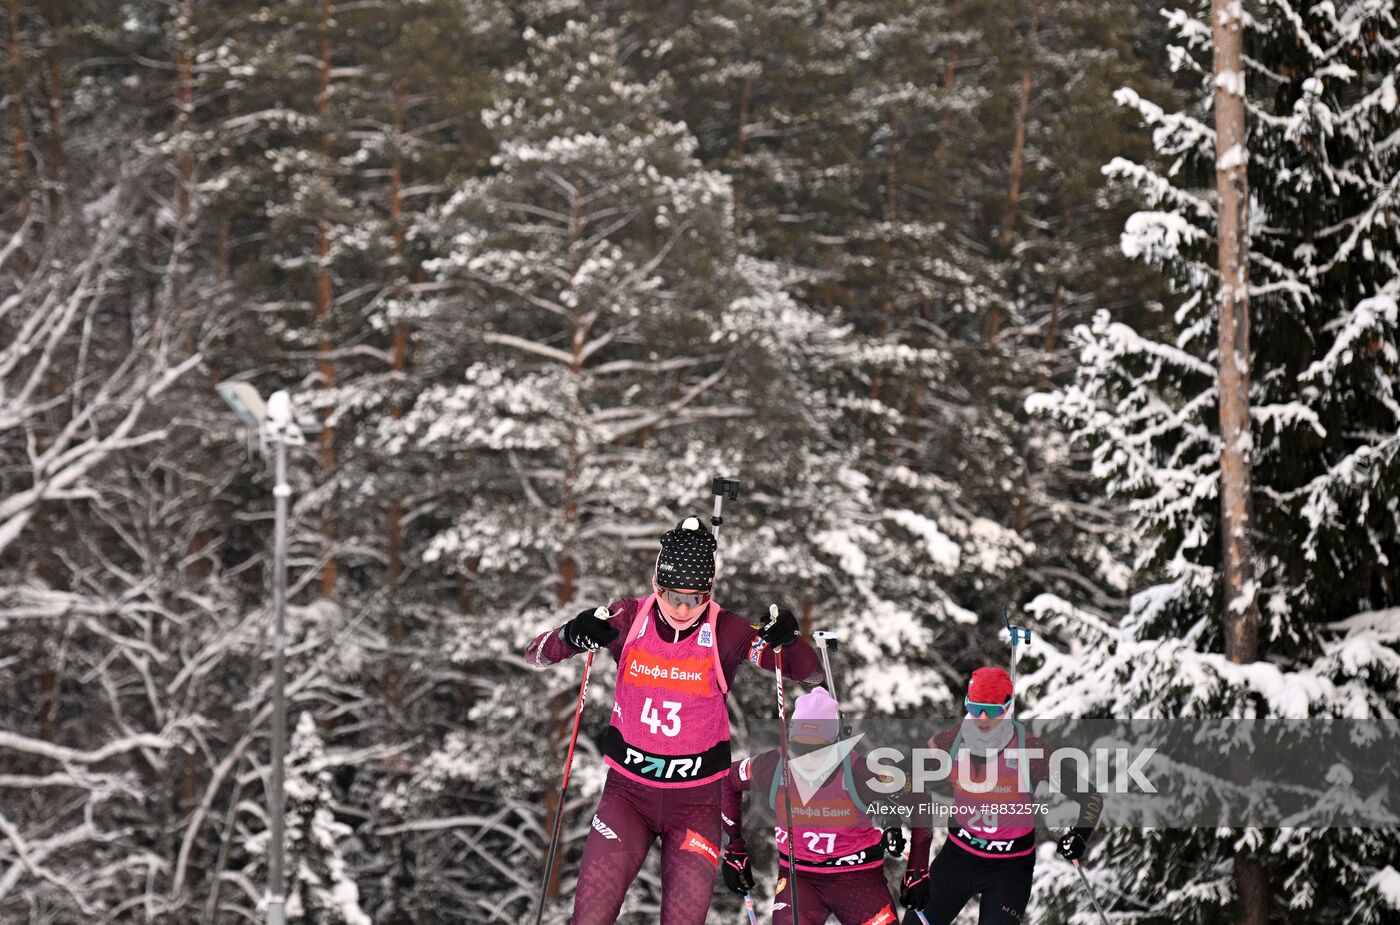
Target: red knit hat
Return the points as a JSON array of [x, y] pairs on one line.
[[989, 685]]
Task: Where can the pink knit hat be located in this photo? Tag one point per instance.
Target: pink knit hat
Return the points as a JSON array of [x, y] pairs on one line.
[[816, 718]]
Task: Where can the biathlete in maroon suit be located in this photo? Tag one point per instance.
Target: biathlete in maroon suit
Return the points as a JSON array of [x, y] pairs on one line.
[[989, 852], [839, 852], [667, 747]]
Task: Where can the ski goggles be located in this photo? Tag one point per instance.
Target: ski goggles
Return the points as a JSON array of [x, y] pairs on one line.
[[682, 599], [985, 709]]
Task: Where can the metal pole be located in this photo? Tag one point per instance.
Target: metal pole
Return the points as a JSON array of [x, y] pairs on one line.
[[602, 613], [1094, 899], [1017, 633], [784, 765], [825, 638], [277, 901]]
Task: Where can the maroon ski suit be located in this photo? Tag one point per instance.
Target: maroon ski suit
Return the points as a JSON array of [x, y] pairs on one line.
[[670, 795], [840, 861], [989, 855]]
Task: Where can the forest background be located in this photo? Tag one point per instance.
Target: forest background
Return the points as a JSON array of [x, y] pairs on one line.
[[936, 279]]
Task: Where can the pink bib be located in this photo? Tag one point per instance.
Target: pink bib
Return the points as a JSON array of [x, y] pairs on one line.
[[833, 827], [670, 723], [992, 815]]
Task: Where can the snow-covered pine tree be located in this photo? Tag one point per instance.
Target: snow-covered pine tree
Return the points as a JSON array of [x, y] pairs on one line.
[[835, 173], [319, 888], [600, 348], [1321, 84]]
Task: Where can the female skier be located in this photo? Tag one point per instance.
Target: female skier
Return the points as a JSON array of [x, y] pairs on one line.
[[988, 852], [839, 852], [667, 748]]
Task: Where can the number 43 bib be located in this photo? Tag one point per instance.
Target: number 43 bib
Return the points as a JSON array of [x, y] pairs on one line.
[[670, 726]]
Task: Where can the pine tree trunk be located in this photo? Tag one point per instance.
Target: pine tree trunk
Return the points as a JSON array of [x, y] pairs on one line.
[[940, 152], [1018, 144], [324, 295], [1018, 163], [887, 301], [1052, 330], [395, 631], [184, 113], [578, 338], [1241, 612], [55, 110], [18, 143], [741, 143], [184, 105]]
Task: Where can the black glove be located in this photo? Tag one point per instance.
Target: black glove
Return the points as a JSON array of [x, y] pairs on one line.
[[588, 631], [781, 629], [1072, 845], [913, 889], [894, 842], [738, 877]]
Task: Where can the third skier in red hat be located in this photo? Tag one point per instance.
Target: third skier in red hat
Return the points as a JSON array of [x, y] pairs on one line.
[[989, 852]]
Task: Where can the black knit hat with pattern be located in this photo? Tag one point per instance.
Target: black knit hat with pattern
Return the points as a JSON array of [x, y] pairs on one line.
[[687, 558]]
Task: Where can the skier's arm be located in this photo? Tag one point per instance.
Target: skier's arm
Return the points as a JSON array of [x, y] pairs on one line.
[[738, 874], [923, 819], [731, 802], [1090, 803], [873, 787], [920, 843], [551, 646], [800, 660]]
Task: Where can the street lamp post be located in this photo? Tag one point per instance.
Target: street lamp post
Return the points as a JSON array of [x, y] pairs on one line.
[[274, 424]]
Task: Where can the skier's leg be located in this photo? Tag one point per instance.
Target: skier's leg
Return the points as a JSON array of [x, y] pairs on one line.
[[952, 881], [858, 898], [810, 904], [616, 849], [1007, 891], [690, 839]]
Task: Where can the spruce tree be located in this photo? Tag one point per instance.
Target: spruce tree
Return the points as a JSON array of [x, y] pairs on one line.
[[1321, 100]]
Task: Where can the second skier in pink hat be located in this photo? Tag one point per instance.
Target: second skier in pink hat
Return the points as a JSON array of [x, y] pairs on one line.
[[838, 850]]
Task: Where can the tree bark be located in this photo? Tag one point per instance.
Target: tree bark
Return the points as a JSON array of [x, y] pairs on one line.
[[890, 214], [741, 143], [396, 629], [1018, 162], [184, 101], [18, 143], [184, 115], [324, 296], [55, 110], [1018, 143], [1241, 610]]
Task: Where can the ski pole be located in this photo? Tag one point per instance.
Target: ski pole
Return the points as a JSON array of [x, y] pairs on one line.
[[723, 487], [787, 783], [1017, 633], [823, 639], [602, 613], [831, 639], [921, 916], [1094, 899], [748, 907]]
